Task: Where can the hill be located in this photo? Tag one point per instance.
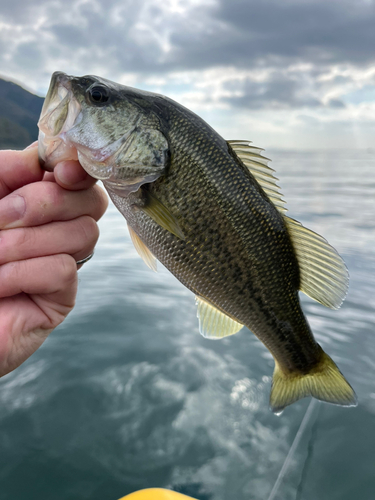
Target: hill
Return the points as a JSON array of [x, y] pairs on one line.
[[19, 114]]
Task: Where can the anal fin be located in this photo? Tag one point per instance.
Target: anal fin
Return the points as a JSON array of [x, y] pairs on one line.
[[213, 324]]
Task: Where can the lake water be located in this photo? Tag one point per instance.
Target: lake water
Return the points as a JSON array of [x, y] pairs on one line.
[[126, 394]]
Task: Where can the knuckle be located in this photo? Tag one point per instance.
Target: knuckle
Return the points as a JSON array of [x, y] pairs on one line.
[[8, 244], [100, 201], [9, 271], [9, 276], [14, 243], [89, 229], [66, 268], [25, 238]]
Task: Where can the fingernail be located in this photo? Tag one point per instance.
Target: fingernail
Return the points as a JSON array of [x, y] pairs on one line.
[[32, 145], [12, 209]]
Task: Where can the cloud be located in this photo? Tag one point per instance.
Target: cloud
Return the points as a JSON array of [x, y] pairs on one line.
[[28, 55], [320, 31], [311, 56], [278, 91], [157, 37]]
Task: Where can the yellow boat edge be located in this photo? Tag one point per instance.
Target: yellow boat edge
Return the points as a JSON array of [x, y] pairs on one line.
[[156, 494]]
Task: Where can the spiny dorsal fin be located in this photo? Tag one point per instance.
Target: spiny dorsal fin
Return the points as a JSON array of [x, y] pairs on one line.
[[258, 166], [148, 258], [323, 274], [213, 324]]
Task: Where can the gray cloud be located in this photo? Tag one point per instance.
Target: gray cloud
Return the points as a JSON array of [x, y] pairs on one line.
[[235, 32], [277, 92], [247, 33], [150, 38], [28, 55], [71, 36], [336, 103]]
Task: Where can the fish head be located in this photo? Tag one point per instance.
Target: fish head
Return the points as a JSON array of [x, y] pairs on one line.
[[101, 124]]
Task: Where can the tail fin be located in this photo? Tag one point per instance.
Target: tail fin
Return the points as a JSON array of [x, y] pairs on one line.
[[324, 382]]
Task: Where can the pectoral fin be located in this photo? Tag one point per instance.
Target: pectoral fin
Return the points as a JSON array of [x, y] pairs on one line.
[[162, 216], [148, 258], [213, 324], [323, 274]]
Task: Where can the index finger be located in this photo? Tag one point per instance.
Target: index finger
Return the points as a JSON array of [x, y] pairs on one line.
[[18, 168]]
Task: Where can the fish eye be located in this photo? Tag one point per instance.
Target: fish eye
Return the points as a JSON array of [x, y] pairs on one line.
[[98, 94]]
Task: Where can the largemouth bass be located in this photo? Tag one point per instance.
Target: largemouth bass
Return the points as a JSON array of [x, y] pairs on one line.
[[210, 210]]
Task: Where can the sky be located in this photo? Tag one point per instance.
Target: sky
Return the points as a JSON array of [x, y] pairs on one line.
[[291, 74]]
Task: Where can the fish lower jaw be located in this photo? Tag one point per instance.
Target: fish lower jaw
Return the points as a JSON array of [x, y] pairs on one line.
[[53, 150], [99, 169]]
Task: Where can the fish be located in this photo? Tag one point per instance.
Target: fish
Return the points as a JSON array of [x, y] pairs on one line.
[[211, 212]]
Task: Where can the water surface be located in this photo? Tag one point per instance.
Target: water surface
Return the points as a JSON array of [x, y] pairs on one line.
[[126, 394]]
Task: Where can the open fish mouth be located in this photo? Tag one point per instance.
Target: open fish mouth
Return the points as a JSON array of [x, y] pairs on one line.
[[60, 112]]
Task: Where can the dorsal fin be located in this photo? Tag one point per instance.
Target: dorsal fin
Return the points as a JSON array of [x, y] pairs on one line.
[[258, 166], [213, 324], [323, 274], [148, 258]]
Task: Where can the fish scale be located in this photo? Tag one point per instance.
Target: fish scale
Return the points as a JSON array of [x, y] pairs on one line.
[[261, 301], [211, 212]]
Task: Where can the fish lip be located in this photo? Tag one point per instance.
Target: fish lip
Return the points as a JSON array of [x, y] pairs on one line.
[[59, 89], [59, 113], [58, 78], [61, 78]]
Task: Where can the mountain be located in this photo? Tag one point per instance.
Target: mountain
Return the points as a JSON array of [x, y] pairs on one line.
[[19, 114]]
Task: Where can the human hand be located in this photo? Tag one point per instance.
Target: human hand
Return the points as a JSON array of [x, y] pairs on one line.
[[47, 224]]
